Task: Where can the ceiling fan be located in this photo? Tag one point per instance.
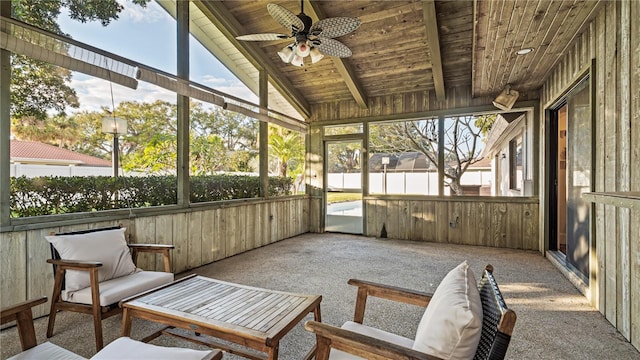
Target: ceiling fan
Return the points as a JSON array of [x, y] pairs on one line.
[[314, 40]]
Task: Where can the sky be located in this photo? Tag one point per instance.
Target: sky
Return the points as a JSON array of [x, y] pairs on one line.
[[148, 36]]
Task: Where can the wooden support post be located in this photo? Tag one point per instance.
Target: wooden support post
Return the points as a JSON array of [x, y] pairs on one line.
[[182, 10], [441, 155], [263, 87], [5, 126]]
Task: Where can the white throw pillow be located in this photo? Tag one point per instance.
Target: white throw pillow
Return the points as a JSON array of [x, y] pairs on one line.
[[452, 323], [107, 246]]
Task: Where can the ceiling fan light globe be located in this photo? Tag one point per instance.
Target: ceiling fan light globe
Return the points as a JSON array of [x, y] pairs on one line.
[[297, 61], [286, 54], [303, 49], [316, 55]]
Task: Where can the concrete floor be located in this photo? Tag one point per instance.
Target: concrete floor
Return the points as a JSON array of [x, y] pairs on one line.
[[554, 319]]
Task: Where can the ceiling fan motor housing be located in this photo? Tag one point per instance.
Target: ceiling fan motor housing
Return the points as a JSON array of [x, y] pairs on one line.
[[306, 20]]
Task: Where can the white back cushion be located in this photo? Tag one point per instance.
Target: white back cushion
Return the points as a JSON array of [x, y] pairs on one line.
[[107, 246], [452, 323]]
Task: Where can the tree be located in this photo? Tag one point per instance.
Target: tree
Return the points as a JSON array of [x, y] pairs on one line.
[[151, 140], [287, 147], [238, 135], [150, 144], [344, 158], [241, 161], [81, 132], [207, 155], [484, 123], [157, 156], [55, 130], [38, 87]]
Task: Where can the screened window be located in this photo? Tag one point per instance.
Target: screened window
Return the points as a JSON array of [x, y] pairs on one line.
[[99, 156], [405, 156]]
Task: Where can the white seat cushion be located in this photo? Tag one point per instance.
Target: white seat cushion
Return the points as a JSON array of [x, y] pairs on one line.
[[114, 290], [107, 246], [372, 332], [47, 351], [452, 323], [125, 348]]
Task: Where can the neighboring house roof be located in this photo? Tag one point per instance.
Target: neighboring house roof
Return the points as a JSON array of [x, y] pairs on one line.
[[500, 128], [36, 152], [485, 162], [412, 162]]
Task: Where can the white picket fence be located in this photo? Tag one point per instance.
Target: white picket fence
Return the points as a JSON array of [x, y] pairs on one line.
[[418, 183], [35, 170]]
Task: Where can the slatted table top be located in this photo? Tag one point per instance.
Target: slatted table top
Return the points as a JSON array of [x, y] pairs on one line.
[[256, 313]]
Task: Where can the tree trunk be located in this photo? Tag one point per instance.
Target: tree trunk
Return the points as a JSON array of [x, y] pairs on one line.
[[455, 187], [283, 168]]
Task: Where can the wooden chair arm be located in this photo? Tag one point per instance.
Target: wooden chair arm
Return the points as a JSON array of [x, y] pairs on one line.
[[9, 313], [162, 249], [357, 344], [213, 355], [23, 316], [388, 292], [151, 247], [75, 264]]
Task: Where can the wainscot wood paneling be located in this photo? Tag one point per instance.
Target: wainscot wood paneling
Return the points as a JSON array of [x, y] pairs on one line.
[[201, 235], [505, 222], [634, 112], [612, 42]]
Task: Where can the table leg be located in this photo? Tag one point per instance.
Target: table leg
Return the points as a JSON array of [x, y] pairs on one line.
[[316, 314], [126, 322], [273, 352]]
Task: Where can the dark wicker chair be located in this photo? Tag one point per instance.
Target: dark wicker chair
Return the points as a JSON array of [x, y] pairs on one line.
[[497, 325]]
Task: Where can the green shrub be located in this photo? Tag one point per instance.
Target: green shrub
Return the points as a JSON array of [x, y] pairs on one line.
[[59, 195]]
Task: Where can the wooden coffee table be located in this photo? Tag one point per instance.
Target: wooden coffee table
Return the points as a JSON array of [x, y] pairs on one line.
[[251, 317]]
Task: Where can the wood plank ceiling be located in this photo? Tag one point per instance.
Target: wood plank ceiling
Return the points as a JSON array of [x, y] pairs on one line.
[[404, 46], [503, 27]]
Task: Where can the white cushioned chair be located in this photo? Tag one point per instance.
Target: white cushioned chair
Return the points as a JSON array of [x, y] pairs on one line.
[[95, 269], [462, 320], [122, 348]]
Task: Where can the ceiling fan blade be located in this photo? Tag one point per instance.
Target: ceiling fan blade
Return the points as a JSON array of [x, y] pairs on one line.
[[333, 47], [285, 17], [335, 26], [262, 37]]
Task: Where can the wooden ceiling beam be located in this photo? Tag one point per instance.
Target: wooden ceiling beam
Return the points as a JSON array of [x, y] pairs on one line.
[[222, 18], [345, 69], [431, 24], [473, 48]]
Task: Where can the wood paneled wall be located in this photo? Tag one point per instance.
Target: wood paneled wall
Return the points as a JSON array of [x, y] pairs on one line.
[[200, 237], [613, 41], [405, 103], [505, 222]]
